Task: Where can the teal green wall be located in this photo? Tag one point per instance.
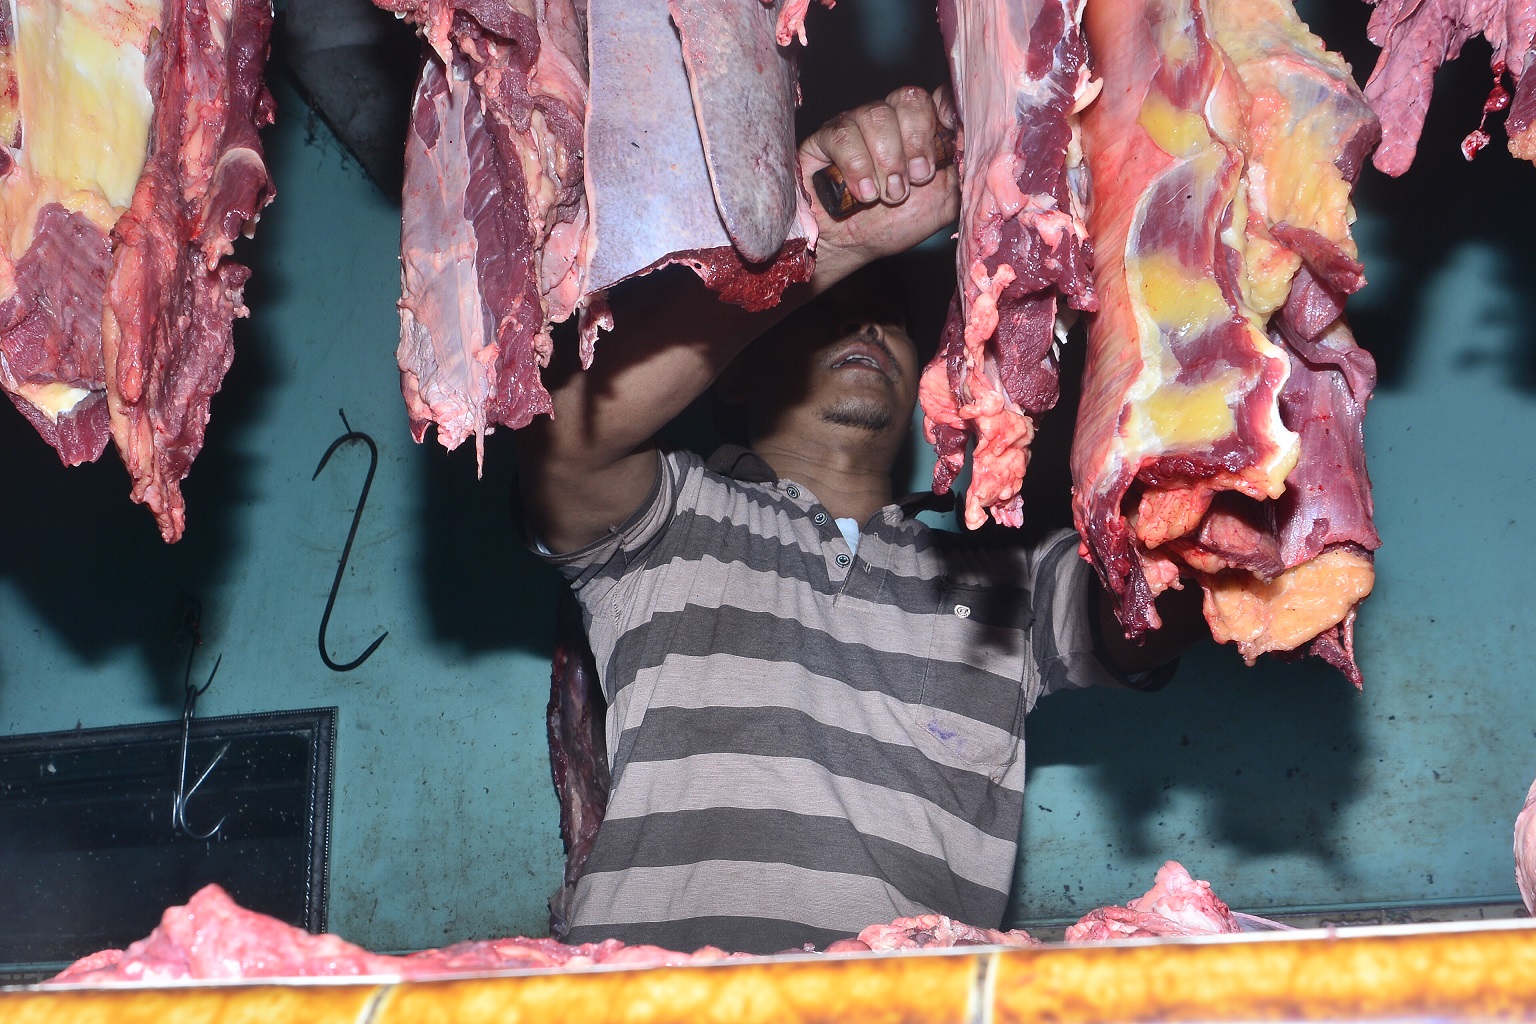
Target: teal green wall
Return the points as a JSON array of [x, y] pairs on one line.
[[1280, 784]]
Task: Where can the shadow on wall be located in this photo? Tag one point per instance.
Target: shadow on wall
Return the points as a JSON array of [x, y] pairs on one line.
[[91, 563], [484, 590], [1272, 754]]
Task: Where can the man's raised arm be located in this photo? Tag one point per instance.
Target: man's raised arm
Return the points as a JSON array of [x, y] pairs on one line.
[[591, 466]]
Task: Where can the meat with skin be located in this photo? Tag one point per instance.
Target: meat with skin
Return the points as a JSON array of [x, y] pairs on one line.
[[1220, 433], [124, 179], [1416, 37], [578, 752], [1020, 74], [1525, 851], [494, 210], [1176, 905]]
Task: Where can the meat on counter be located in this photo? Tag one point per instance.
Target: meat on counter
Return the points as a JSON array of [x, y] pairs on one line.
[[212, 938]]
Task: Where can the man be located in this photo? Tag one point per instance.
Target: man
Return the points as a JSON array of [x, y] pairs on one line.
[[816, 702]]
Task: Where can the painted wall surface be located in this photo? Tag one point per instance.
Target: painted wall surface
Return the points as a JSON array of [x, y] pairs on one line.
[[1280, 784]]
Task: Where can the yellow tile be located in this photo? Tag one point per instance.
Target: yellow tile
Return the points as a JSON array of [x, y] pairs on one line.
[[266, 1004], [1489, 974], [880, 990]]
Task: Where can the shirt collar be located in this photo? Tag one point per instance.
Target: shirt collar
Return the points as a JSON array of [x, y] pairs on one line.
[[745, 465]]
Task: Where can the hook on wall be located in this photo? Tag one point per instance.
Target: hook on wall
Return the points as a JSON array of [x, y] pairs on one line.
[[346, 550], [183, 792]]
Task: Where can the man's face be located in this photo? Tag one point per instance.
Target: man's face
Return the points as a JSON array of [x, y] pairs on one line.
[[847, 362]]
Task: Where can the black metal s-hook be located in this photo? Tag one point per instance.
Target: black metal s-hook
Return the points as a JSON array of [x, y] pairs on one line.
[[346, 551]]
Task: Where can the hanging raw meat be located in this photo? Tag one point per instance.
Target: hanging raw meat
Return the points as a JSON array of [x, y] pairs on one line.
[[532, 186], [129, 160], [494, 213], [1219, 436], [1020, 74], [1416, 37]]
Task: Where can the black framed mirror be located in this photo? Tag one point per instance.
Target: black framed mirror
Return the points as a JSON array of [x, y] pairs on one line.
[[92, 851]]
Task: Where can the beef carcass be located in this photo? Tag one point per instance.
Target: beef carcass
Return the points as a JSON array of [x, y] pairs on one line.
[[1416, 37], [129, 160], [1020, 73], [1219, 435], [1176, 905]]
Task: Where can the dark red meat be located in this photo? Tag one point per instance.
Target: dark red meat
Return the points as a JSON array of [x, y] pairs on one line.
[[173, 292]]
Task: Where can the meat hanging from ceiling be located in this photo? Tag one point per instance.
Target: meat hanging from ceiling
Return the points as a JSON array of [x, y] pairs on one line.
[[1219, 435], [129, 160], [1416, 37], [532, 184], [1020, 73]]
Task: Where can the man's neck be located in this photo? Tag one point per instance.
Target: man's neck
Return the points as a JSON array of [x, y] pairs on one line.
[[850, 483]]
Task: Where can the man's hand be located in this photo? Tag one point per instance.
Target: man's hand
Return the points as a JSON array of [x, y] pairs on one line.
[[593, 464], [886, 151]]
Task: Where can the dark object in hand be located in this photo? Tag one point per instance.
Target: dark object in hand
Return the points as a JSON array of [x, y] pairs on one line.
[[838, 199]]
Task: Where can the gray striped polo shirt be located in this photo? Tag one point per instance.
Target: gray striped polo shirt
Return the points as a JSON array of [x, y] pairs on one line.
[[804, 741]]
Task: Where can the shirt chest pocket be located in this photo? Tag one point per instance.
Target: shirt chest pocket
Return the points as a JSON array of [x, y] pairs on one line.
[[971, 705]]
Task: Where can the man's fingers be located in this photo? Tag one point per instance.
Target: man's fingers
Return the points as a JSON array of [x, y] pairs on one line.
[[881, 126], [841, 142], [918, 122]]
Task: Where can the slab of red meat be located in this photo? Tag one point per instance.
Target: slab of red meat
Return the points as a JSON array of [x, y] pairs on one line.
[[578, 752], [173, 292], [1416, 37], [129, 160], [494, 210], [1219, 434], [792, 19], [1020, 74], [1176, 905]]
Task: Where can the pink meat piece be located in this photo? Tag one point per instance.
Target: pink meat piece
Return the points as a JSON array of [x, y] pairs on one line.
[[1525, 850], [494, 210], [1416, 37], [212, 938], [1176, 905], [792, 19], [1020, 73], [930, 931]]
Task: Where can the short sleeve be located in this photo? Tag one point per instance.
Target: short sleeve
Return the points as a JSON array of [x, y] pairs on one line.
[[594, 569], [1065, 642]]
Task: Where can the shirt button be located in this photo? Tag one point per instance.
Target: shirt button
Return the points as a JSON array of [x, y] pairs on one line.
[[792, 491], [962, 611], [820, 519], [844, 561]]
